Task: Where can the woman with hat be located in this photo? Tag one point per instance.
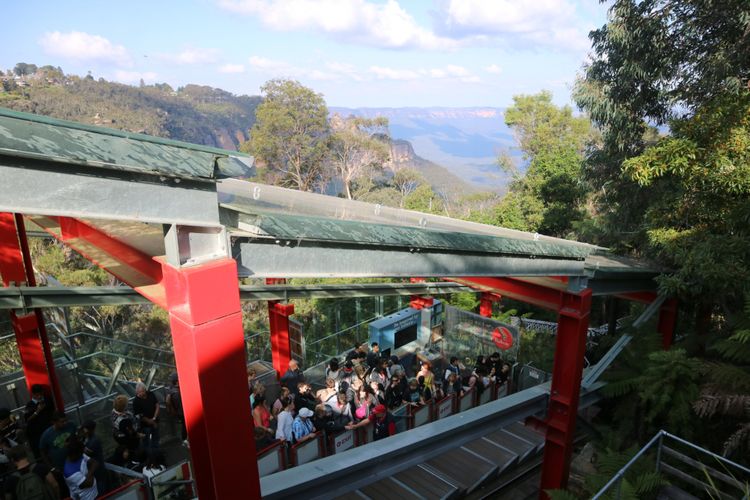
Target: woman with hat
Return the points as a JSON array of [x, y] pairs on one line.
[[383, 423]]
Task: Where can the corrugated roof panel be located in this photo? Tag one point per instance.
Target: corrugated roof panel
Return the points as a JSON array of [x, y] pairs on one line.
[[43, 138]]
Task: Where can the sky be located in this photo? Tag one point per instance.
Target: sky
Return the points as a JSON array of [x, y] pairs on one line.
[[357, 53]]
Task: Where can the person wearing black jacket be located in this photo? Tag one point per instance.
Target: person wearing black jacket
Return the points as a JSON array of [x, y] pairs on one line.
[[38, 416]]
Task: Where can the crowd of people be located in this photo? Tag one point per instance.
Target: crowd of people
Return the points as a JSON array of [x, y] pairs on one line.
[[45, 456], [362, 389]]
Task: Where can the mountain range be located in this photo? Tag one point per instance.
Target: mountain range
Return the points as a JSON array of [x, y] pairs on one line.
[[466, 141]]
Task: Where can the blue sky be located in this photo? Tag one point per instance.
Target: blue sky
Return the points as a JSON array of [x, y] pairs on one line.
[[357, 53]]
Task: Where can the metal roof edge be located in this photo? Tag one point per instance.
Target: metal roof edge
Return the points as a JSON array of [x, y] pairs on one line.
[[56, 122]]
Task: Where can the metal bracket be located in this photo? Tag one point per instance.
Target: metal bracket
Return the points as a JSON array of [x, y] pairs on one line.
[[193, 245]]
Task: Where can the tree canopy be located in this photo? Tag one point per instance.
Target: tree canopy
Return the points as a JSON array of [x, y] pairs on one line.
[[680, 194], [291, 134], [548, 198]]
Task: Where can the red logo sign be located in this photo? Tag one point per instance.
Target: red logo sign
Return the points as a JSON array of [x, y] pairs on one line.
[[502, 338]]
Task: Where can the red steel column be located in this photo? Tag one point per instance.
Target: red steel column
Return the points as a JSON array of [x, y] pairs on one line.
[[667, 321], [31, 335], [570, 347], [278, 319], [209, 348], [485, 304]]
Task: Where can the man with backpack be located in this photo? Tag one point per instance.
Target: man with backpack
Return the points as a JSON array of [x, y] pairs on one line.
[[30, 482]]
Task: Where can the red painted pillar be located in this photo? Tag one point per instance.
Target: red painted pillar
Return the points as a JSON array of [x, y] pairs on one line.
[[570, 348], [209, 347], [485, 303], [667, 321], [31, 335], [278, 319]]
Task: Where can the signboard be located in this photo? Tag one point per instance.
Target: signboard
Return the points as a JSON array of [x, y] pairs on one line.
[[307, 451], [445, 408], [269, 463], [467, 400], [343, 441], [502, 337]]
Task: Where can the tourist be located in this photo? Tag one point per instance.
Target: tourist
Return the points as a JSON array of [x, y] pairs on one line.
[[36, 478], [342, 407], [146, 410], [373, 357], [305, 398], [429, 377], [453, 386], [78, 471], [380, 374], [454, 367], [251, 378], [328, 394], [285, 420], [52, 444], [284, 393], [413, 396], [379, 392], [394, 393], [93, 448], [383, 423], [174, 405], [395, 367], [334, 372], [37, 416], [261, 415], [292, 377], [303, 428]]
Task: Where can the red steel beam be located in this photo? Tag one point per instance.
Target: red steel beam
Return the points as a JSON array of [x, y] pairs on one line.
[[278, 319], [531, 293], [31, 335], [129, 265], [565, 389], [209, 346]]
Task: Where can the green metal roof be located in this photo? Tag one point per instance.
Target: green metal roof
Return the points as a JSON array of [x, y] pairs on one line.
[[42, 138], [300, 227]]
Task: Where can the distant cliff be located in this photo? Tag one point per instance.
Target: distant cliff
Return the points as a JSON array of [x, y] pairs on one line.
[[466, 141], [440, 178]]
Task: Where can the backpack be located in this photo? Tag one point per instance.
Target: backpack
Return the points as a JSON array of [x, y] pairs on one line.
[[32, 487]]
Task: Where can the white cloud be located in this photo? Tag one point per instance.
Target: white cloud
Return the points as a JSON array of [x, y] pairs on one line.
[[450, 71], [84, 47], [232, 68], [193, 56], [382, 73], [134, 76], [385, 25], [551, 23], [274, 67], [493, 69]]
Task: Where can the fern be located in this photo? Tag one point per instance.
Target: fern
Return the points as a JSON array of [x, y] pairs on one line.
[[560, 495]]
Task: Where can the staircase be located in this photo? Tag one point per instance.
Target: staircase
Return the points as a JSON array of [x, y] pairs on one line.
[[461, 471]]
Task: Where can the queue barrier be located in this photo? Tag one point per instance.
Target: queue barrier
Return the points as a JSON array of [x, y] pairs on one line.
[[363, 435], [401, 417], [272, 459], [132, 490], [502, 390], [445, 407], [419, 415], [342, 441], [308, 450], [466, 401], [488, 394]]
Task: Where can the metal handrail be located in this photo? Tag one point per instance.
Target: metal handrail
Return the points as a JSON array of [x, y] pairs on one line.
[[659, 440]]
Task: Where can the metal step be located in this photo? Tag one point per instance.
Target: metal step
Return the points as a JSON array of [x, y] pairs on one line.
[[494, 453], [512, 443], [388, 489], [427, 483], [527, 434], [462, 468]]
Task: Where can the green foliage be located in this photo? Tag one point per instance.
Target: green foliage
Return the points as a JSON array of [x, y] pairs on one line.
[[424, 199], [291, 135], [549, 197], [680, 199], [201, 115], [359, 148]]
